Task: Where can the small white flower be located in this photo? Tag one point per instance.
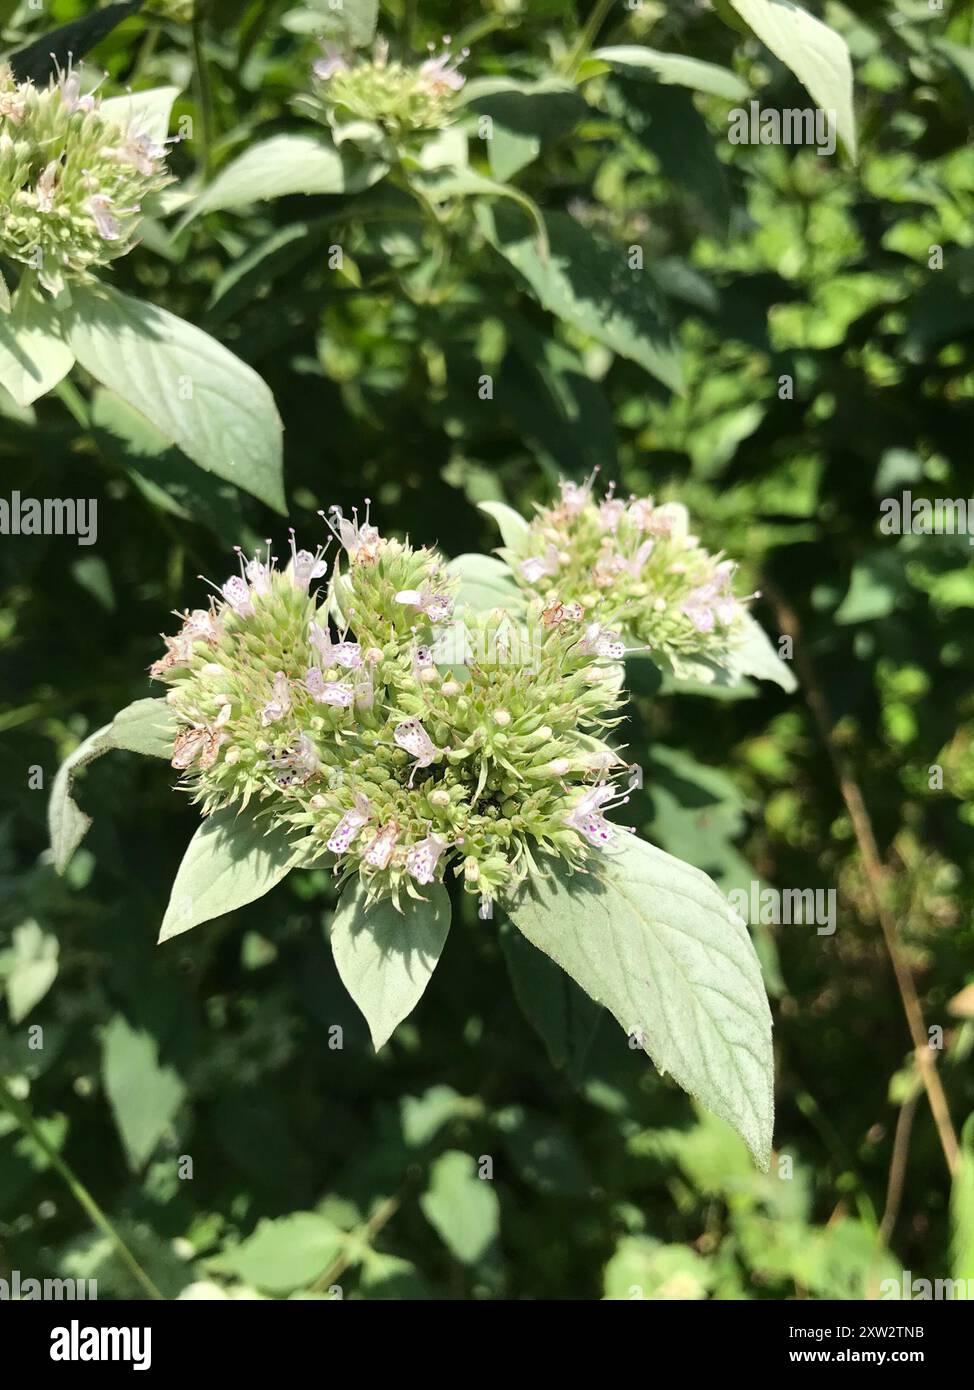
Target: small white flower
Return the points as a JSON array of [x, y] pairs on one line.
[[423, 858], [411, 736], [350, 825], [337, 693], [538, 567], [436, 606], [108, 225], [332, 61], [277, 707]]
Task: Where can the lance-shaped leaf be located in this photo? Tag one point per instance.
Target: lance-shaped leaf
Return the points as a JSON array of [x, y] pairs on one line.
[[816, 54], [196, 393], [658, 944], [41, 59], [589, 285], [674, 69], [384, 957], [286, 164], [33, 354], [525, 117], [233, 859], [145, 727]]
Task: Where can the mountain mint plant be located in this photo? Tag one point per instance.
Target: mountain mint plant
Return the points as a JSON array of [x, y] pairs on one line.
[[79, 175], [366, 711]]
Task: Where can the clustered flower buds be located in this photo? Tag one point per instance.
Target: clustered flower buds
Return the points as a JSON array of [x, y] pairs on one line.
[[637, 567], [390, 734], [72, 181], [401, 97]]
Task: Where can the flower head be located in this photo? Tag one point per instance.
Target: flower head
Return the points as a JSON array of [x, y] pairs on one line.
[[72, 179], [635, 567], [401, 97], [403, 771]]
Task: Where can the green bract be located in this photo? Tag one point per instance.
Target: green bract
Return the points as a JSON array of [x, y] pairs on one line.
[[72, 180], [416, 739]]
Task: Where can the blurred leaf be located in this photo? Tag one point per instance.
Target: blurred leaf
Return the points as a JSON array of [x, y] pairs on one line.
[[40, 59], [461, 1207], [285, 1254], [543, 1152], [144, 1094], [589, 285], [875, 587], [962, 1210], [644, 1268], [30, 968]]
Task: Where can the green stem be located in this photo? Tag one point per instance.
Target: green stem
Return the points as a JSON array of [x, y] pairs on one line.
[[77, 1189], [600, 12], [74, 401], [204, 92]]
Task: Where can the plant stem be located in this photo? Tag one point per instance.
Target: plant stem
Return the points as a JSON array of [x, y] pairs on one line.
[[366, 1233], [600, 12], [77, 1188], [877, 878], [204, 93], [75, 402]]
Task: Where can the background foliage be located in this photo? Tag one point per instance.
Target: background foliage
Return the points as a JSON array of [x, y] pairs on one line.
[[316, 1167]]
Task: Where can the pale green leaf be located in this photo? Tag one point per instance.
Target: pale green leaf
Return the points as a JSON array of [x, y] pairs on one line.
[[658, 944], [286, 164], [196, 393], [385, 958], [485, 583], [147, 112], [644, 1268], [145, 726], [232, 860], [511, 524], [754, 655], [33, 354], [30, 968], [461, 1206], [285, 1254], [816, 54], [634, 60], [144, 1094]]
